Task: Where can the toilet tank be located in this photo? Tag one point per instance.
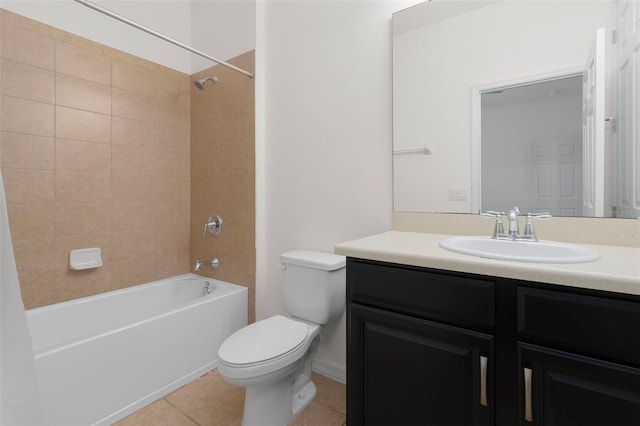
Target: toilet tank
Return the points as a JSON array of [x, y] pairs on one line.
[[314, 284]]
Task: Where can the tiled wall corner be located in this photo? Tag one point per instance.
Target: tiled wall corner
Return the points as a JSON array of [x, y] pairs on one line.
[[223, 173]]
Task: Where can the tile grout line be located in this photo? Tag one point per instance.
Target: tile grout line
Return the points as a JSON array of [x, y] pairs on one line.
[[181, 411]]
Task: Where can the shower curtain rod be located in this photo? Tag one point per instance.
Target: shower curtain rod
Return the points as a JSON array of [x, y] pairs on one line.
[[161, 36]]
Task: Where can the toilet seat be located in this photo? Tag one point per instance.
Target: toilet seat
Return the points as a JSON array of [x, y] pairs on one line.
[[263, 341]]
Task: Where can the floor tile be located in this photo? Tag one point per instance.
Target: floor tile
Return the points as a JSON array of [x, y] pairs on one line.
[[160, 413], [317, 414], [209, 400], [330, 393]]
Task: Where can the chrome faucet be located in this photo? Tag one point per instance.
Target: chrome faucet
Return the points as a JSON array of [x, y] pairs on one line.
[[212, 263], [514, 231]]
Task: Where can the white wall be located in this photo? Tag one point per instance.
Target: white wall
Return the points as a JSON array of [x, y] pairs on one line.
[[327, 141], [223, 29], [436, 65]]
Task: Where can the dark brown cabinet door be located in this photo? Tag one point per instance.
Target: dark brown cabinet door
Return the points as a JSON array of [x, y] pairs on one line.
[[409, 371], [564, 389]]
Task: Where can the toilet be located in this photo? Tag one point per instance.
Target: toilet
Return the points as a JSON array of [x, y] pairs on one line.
[[272, 358]]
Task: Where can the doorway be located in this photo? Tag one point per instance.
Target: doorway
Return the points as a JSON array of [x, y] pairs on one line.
[[531, 146]]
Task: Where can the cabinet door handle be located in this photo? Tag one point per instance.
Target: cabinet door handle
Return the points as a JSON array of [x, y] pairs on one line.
[[528, 409], [483, 380]]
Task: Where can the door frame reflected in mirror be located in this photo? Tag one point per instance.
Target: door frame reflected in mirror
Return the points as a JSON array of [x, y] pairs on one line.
[[476, 121]]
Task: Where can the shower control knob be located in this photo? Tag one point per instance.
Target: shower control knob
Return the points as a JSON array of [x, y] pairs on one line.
[[213, 225]]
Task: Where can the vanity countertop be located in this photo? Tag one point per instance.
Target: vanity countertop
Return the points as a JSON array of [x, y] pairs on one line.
[[617, 270]]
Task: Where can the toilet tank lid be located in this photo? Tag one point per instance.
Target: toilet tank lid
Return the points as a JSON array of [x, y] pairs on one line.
[[313, 259]]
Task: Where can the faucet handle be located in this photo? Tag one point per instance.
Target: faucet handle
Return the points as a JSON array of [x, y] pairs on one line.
[[499, 228], [529, 232], [492, 214], [539, 216]]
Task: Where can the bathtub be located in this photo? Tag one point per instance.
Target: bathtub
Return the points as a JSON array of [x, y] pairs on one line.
[[102, 357]]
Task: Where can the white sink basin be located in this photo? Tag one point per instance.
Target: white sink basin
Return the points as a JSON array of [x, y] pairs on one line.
[[520, 251]]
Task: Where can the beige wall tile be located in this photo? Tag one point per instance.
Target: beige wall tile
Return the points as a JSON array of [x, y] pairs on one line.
[[171, 83], [172, 138], [83, 94], [35, 255], [82, 125], [174, 112], [230, 106], [71, 285], [134, 105], [173, 189], [83, 188], [20, 151], [37, 288], [9, 18], [133, 270], [173, 219], [133, 189], [83, 63], [81, 219], [41, 28], [31, 221], [80, 156], [138, 161], [173, 163], [61, 120], [222, 145], [84, 43], [175, 260], [29, 186], [27, 46], [129, 244], [135, 60], [173, 216], [27, 81], [133, 78], [29, 117], [134, 133], [134, 216]]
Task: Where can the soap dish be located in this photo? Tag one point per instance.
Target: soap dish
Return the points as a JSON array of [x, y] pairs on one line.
[[85, 258]]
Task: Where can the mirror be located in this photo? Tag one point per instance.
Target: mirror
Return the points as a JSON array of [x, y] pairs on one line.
[[457, 64]]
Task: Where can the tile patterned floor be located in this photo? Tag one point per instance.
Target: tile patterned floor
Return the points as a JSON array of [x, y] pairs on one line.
[[210, 401]]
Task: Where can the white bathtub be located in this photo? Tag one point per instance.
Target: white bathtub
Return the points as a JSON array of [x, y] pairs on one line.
[[102, 357]]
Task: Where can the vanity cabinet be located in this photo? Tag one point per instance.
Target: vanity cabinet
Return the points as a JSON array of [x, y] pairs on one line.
[[579, 356], [433, 347]]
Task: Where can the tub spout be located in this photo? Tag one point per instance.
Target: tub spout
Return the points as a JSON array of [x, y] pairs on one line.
[[212, 263]]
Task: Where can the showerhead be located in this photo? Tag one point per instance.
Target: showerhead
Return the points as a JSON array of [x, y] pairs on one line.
[[200, 83]]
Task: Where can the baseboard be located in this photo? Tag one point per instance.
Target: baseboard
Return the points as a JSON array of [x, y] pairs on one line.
[[331, 370]]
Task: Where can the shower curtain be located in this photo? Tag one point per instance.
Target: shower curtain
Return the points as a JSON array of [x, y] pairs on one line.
[[19, 396]]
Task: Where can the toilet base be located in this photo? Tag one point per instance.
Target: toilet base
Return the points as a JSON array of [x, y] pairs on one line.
[[303, 398], [273, 405]]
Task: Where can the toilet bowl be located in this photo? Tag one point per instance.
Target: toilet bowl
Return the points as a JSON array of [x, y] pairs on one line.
[[268, 366], [273, 357]]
